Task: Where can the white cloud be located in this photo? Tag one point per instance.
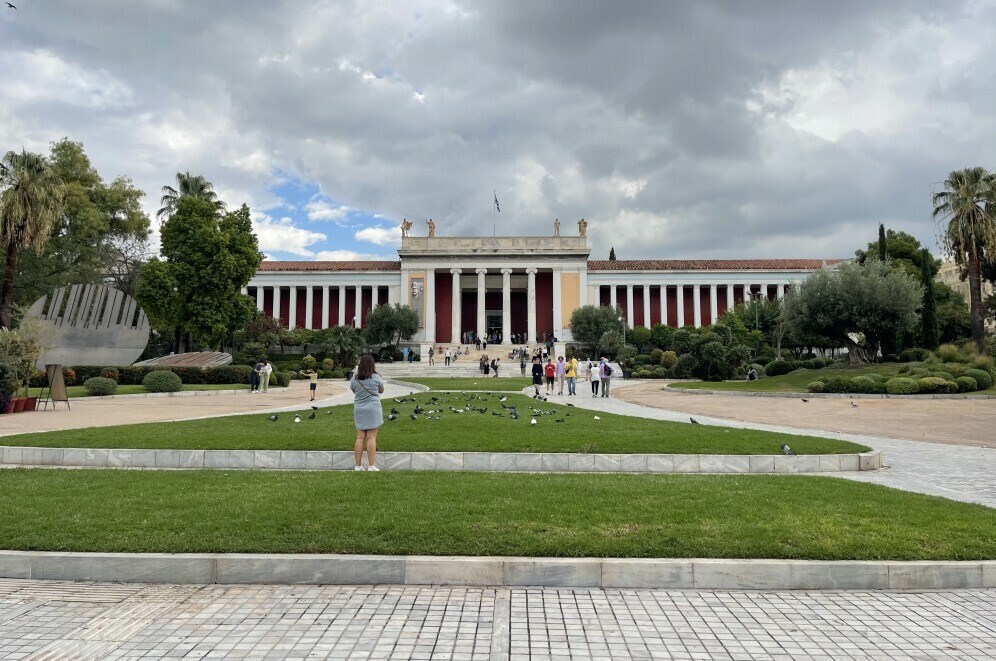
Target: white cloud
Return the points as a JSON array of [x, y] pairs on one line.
[[42, 75], [283, 236], [319, 209], [382, 236]]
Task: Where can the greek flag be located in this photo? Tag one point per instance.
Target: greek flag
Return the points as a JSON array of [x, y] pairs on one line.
[[497, 206]]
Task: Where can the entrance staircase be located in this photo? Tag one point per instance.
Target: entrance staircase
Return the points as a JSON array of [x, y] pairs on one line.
[[466, 366]]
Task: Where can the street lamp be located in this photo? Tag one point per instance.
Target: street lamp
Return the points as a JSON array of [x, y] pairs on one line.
[[624, 328]]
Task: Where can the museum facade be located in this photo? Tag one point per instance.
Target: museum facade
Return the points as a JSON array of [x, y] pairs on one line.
[[508, 287]]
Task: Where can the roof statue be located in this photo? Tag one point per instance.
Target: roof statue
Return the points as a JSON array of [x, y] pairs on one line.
[[432, 228], [406, 226], [97, 326], [582, 228], [556, 226]]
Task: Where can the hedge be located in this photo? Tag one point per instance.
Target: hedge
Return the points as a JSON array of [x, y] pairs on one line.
[[778, 367], [933, 384], [134, 375], [162, 381], [982, 378], [100, 386], [967, 384]]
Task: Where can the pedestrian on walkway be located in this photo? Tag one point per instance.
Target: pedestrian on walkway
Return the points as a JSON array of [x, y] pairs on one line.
[[522, 362], [606, 376], [494, 367], [264, 375], [571, 372], [367, 386], [254, 377], [551, 375], [432, 359], [595, 376], [312, 383], [448, 356], [537, 372], [561, 368]]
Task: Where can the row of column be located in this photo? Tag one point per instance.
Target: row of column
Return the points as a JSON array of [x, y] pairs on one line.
[[506, 303], [309, 303], [680, 299]]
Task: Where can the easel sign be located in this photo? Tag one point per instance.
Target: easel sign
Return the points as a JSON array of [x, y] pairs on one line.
[[56, 387]]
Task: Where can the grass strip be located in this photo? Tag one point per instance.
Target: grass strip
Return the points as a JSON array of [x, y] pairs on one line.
[[470, 431], [485, 514]]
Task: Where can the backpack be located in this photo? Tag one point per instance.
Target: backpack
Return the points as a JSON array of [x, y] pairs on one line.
[[608, 370]]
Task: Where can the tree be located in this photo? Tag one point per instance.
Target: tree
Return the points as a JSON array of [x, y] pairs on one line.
[[262, 329], [954, 320], [857, 305], [882, 253], [660, 336], [390, 325], [590, 323], [208, 260], [966, 204], [345, 343], [30, 200], [929, 328], [612, 254], [639, 337], [188, 185]]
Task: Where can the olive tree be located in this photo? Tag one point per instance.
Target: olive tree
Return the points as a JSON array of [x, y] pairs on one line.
[[590, 323], [390, 325], [856, 304]]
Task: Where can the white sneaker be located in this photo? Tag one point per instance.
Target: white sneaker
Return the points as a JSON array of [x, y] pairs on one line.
[[373, 468], [358, 468]]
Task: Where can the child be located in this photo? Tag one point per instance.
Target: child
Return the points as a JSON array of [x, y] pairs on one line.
[[313, 377]]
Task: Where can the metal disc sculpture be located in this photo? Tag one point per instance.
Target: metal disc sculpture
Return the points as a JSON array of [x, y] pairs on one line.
[[97, 326]]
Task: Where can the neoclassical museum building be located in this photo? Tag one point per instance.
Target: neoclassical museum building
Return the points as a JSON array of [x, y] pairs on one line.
[[514, 285]]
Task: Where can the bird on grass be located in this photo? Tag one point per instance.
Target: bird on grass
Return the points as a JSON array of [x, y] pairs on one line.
[[500, 415], [273, 418], [787, 450], [502, 399], [314, 408], [694, 421], [571, 405], [297, 418], [560, 420], [313, 415], [533, 421], [392, 418], [597, 418], [413, 416], [329, 412], [394, 410]]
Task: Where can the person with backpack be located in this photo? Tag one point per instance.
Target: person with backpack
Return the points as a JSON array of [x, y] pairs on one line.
[[606, 376], [494, 367]]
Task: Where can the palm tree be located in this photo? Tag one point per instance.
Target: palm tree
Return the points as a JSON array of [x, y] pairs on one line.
[[187, 184], [30, 201], [967, 204]]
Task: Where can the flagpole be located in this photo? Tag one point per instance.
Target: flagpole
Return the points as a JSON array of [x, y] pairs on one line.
[[494, 218]]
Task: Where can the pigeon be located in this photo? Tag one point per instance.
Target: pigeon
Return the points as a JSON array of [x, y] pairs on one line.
[[533, 421], [297, 418], [273, 418], [392, 418], [560, 420], [786, 449], [314, 408], [805, 401], [597, 418], [313, 415], [853, 405], [694, 421], [500, 415], [419, 410], [503, 399], [484, 410], [329, 411], [394, 410], [413, 416], [570, 405]]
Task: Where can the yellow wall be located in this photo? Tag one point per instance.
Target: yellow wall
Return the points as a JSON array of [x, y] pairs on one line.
[[570, 296]]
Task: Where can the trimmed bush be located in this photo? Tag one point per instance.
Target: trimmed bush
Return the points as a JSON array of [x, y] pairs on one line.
[[943, 375], [816, 386], [936, 385], [967, 384], [643, 359], [876, 377], [778, 368], [912, 355], [819, 363], [920, 371], [901, 386], [282, 379], [162, 381], [338, 373], [109, 373], [837, 384], [309, 362], [655, 356], [668, 359], [328, 364], [866, 385], [685, 366], [660, 372], [100, 386], [982, 378]]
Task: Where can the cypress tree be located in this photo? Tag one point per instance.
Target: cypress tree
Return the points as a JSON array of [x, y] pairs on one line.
[[929, 330], [612, 254], [881, 242]]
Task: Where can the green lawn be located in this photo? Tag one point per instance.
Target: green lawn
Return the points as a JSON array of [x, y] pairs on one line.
[[797, 381], [471, 431], [511, 384], [485, 514], [80, 391]]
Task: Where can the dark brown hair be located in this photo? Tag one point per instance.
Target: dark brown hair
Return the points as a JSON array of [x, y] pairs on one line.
[[366, 368]]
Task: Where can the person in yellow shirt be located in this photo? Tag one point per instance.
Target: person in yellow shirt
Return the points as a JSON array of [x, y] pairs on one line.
[[571, 372]]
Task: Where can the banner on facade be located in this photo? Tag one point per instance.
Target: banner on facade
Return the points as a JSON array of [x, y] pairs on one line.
[[416, 292]]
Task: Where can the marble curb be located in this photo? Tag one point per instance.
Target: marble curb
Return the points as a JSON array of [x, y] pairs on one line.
[[538, 462], [181, 393], [819, 395], [315, 569], [408, 384]]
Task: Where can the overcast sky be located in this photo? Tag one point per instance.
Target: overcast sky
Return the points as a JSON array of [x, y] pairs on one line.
[[677, 129]]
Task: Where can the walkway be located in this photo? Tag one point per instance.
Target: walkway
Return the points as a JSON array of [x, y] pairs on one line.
[[54, 620]]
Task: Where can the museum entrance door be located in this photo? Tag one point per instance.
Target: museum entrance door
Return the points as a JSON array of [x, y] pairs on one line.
[[494, 326]]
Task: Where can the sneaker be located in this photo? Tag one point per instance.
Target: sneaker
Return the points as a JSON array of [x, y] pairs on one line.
[[373, 468], [358, 468]]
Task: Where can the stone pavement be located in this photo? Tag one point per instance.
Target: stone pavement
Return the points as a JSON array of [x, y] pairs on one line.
[[54, 620], [958, 472]]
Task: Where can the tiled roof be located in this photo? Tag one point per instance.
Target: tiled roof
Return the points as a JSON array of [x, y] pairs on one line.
[[709, 264], [303, 265]]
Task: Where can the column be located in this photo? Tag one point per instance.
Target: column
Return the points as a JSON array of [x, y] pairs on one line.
[[697, 305], [309, 307], [729, 297], [292, 310], [457, 310], [747, 294], [342, 307], [680, 293], [646, 306], [664, 304], [764, 292], [713, 303], [629, 306], [781, 291], [326, 305], [430, 305], [612, 297], [557, 305], [259, 298], [583, 287], [392, 295], [531, 306], [358, 311], [482, 289], [276, 302], [506, 306]]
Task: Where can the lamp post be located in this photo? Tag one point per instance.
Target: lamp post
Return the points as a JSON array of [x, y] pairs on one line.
[[620, 318]]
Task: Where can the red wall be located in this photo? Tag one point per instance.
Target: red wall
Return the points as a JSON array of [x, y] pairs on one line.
[[672, 307], [333, 311], [603, 297], [350, 306], [638, 294], [655, 306], [621, 300], [544, 303], [318, 309], [468, 311], [284, 307], [267, 302], [706, 306], [301, 304], [444, 310], [689, 296], [520, 312], [366, 304]]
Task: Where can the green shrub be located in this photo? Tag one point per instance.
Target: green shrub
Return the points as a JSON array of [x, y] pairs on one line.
[[162, 381], [655, 356], [338, 373], [807, 364], [890, 358], [282, 379], [933, 384], [660, 372], [778, 367], [100, 385], [642, 359], [309, 362], [685, 366], [816, 386], [819, 363], [901, 386], [867, 385], [328, 364], [912, 355], [943, 375], [956, 369], [326, 374], [984, 363], [668, 359], [904, 369], [967, 384], [950, 353], [876, 377], [836, 384], [227, 374], [109, 373], [920, 371], [982, 378]]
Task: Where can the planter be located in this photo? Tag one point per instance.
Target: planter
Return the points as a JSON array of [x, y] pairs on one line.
[[9, 408], [19, 403], [31, 404]]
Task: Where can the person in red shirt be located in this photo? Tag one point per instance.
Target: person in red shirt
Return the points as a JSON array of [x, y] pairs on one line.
[[551, 375]]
